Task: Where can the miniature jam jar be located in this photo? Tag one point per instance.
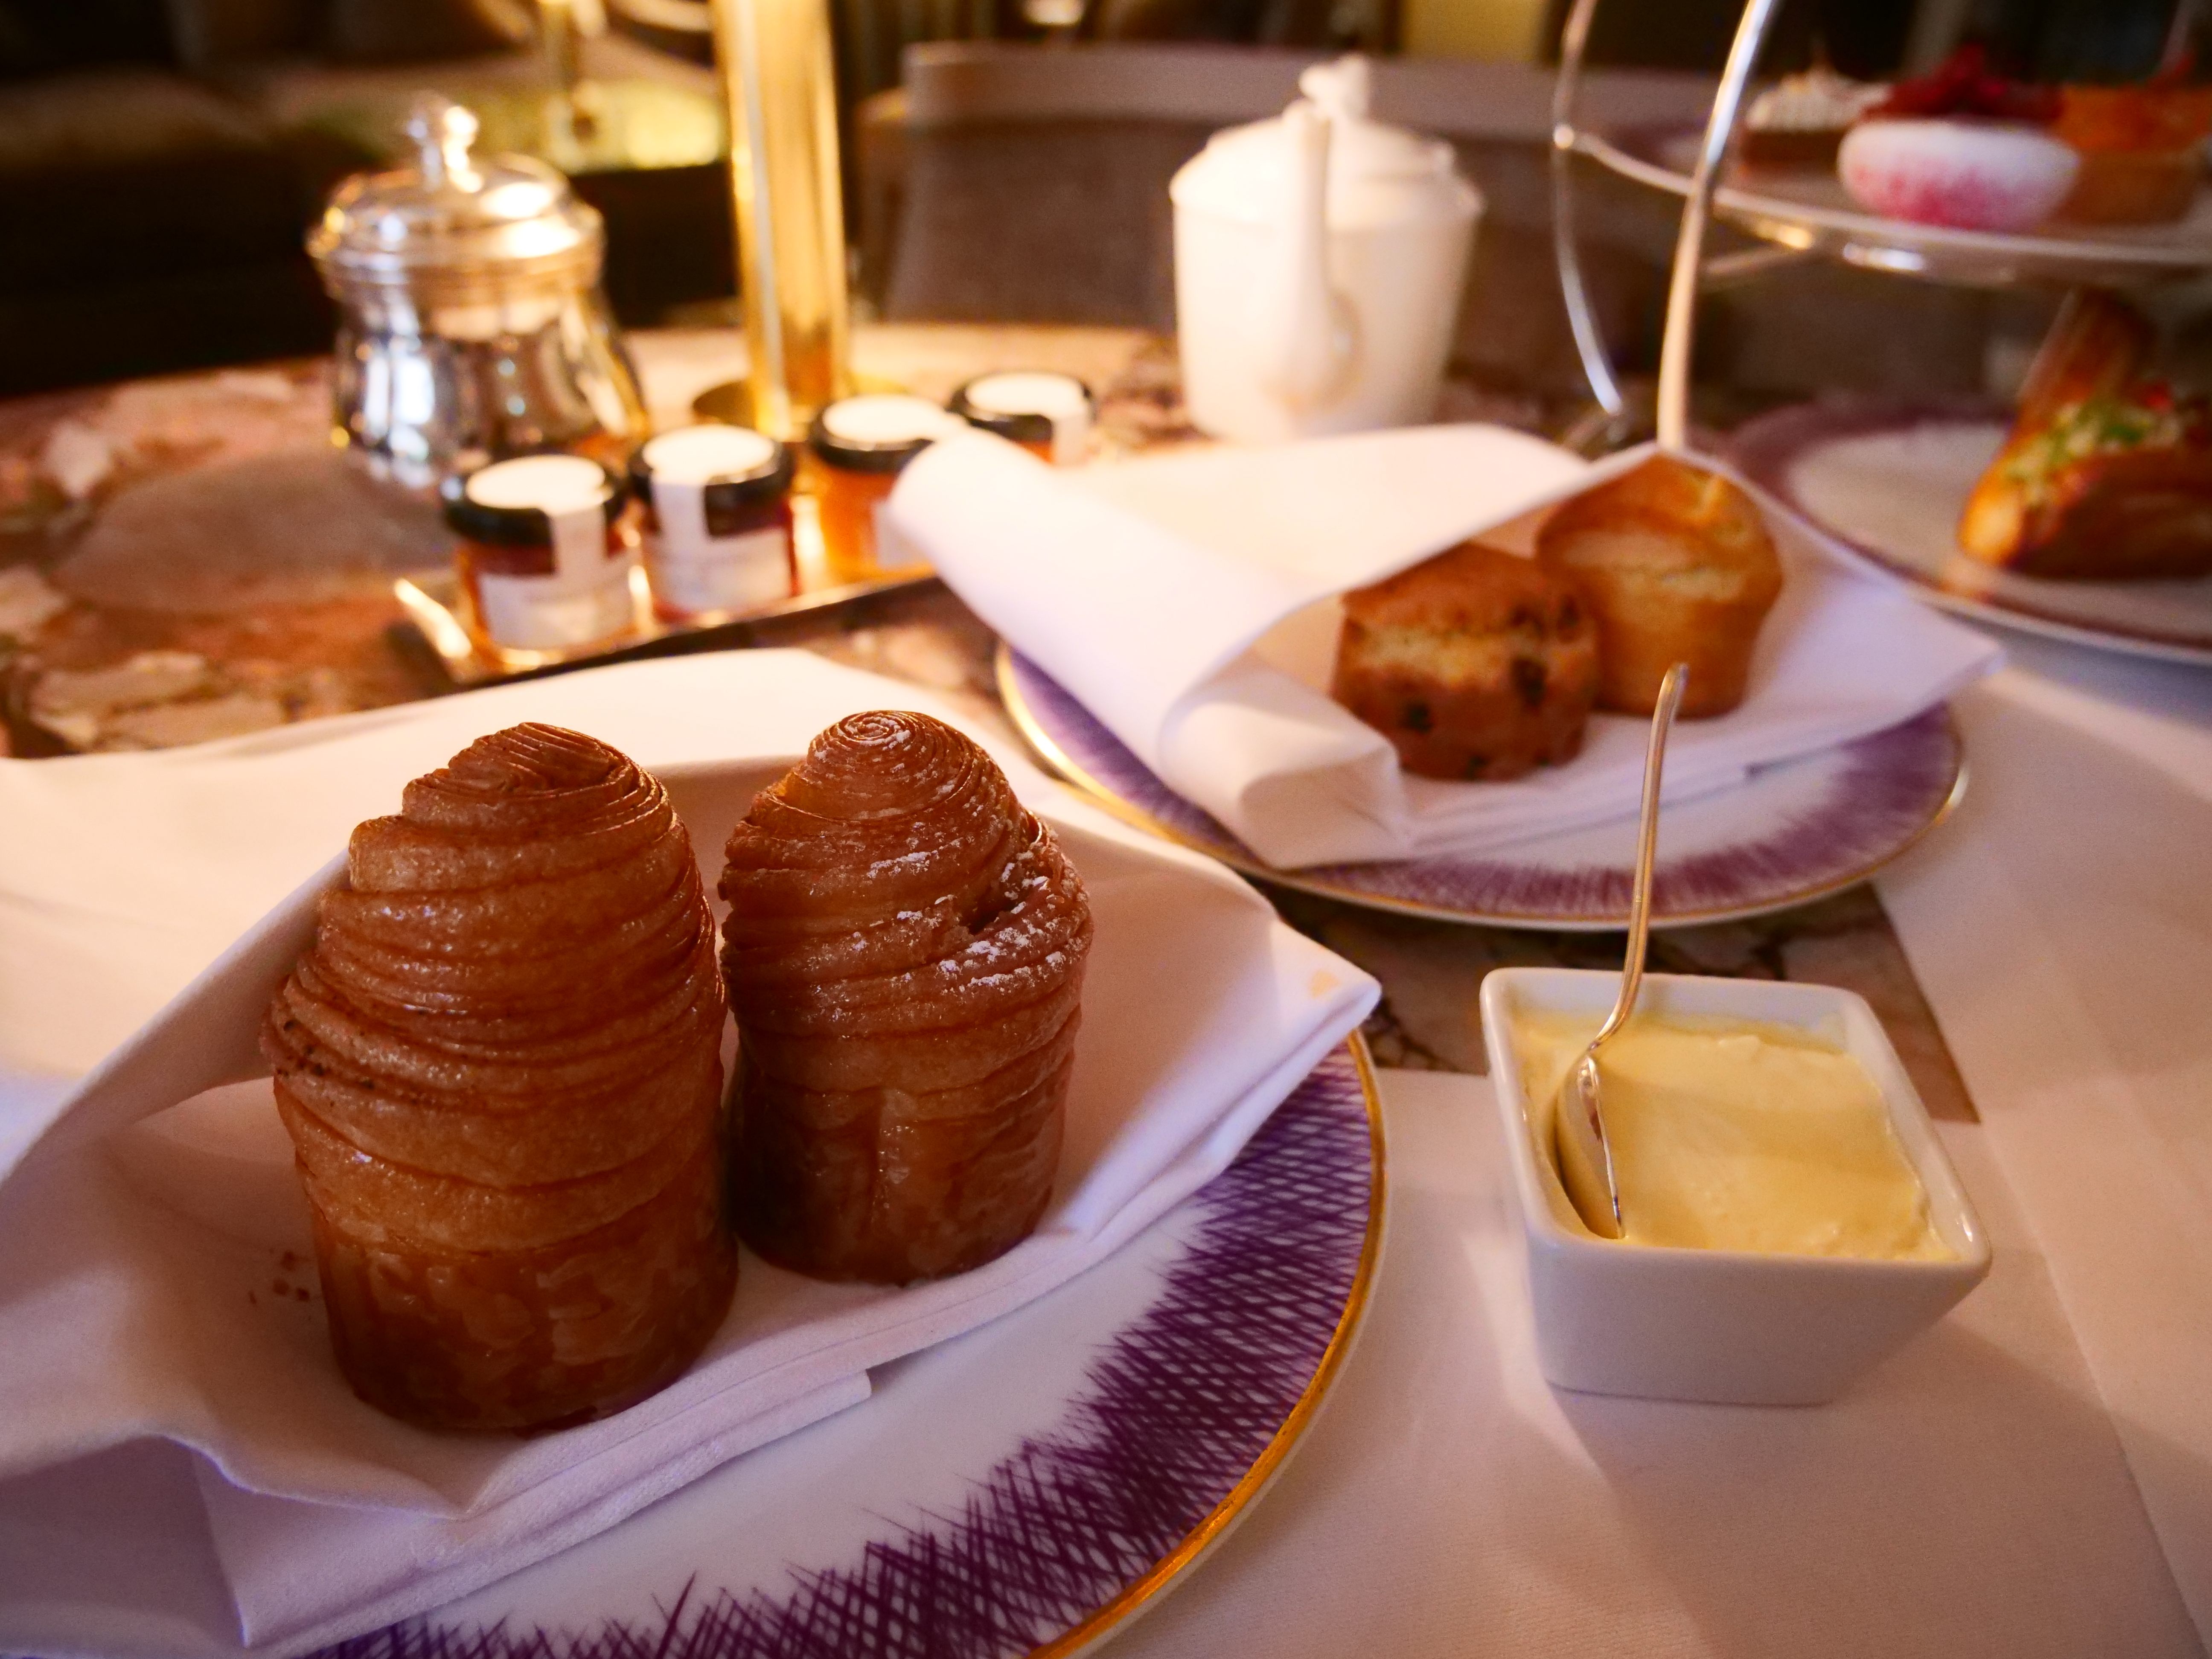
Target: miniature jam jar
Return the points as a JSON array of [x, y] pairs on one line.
[[544, 555], [717, 520], [862, 443], [1049, 414]]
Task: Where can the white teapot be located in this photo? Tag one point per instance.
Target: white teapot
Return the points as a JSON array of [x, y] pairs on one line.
[[1319, 259]]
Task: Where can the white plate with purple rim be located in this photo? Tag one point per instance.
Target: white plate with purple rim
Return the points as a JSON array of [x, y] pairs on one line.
[[1020, 1490], [1790, 834], [1889, 480]]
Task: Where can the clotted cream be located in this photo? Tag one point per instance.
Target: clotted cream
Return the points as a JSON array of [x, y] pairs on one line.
[[1728, 1134]]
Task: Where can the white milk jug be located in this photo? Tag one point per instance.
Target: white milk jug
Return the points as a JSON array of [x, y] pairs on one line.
[[1319, 259]]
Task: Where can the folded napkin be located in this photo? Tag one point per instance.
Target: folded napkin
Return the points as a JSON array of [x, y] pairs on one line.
[[149, 1217], [1187, 601]]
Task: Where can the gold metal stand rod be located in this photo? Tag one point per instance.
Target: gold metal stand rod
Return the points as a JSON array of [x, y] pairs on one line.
[[778, 78]]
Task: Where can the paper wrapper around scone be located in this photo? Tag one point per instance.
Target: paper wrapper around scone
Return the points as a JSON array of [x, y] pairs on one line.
[[1189, 602]]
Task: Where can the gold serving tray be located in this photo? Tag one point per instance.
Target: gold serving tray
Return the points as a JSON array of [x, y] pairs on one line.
[[433, 631]]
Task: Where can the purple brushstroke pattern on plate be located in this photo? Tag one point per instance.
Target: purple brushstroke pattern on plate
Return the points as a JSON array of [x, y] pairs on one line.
[[1172, 1416], [1890, 787]]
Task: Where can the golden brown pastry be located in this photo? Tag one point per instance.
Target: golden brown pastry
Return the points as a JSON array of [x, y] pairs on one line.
[[2106, 474], [500, 1066], [1678, 567], [2142, 149], [904, 953], [1476, 664]]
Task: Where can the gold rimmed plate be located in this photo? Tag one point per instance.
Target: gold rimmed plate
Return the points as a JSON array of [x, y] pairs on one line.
[[1021, 1486], [1021, 1490], [1790, 834], [1889, 480], [1807, 210]]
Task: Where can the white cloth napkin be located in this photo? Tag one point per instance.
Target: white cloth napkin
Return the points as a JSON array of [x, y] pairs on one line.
[[155, 1224], [1187, 601]]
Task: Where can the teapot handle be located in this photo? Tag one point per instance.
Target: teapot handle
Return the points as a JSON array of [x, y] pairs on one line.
[[1307, 338]]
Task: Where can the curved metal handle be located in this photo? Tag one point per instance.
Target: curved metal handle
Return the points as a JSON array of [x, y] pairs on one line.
[[1582, 318], [1680, 338]]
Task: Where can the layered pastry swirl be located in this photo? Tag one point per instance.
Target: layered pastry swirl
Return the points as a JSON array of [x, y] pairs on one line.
[[904, 954], [500, 1064]]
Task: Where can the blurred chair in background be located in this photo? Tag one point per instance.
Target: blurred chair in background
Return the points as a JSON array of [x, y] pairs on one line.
[[1035, 186], [167, 159], [167, 155], [1025, 184], [142, 208], [1866, 38], [873, 35]]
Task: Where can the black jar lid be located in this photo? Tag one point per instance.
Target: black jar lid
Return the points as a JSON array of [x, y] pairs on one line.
[[511, 503], [1025, 406], [734, 466], [878, 431]]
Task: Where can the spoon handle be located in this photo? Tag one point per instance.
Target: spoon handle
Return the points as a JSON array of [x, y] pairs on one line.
[[1647, 847]]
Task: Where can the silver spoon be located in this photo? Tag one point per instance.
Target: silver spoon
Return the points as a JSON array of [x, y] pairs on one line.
[[1578, 1129]]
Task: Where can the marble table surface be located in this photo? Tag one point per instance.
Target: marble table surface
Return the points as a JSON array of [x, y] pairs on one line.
[[190, 558]]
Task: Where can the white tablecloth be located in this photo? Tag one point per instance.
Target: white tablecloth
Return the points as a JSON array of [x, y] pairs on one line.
[[2062, 926], [2032, 1477], [1969, 1498]]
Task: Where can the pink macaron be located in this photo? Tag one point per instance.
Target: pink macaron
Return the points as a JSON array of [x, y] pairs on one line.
[[1969, 173]]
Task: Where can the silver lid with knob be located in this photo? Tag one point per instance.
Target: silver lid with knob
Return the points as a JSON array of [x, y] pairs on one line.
[[471, 324], [460, 245]]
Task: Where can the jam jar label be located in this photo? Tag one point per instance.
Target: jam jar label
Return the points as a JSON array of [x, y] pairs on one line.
[[720, 572], [696, 570], [587, 598]]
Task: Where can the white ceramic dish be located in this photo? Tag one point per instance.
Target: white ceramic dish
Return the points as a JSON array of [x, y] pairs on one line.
[[1725, 1326], [1027, 1487]]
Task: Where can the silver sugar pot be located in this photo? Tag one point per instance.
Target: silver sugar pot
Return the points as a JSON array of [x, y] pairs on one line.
[[473, 326]]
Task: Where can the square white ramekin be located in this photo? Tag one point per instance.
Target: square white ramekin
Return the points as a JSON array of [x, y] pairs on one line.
[[1727, 1325]]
